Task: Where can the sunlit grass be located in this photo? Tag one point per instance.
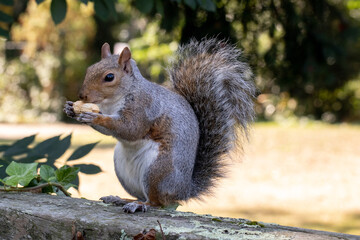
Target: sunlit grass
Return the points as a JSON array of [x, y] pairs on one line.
[[303, 174]]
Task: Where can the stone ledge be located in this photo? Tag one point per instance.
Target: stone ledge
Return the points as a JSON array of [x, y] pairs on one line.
[[41, 216]]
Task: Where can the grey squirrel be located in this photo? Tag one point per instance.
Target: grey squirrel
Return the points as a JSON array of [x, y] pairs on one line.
[[171, 142]]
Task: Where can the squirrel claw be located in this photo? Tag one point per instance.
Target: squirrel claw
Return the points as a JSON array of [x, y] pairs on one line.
[[128, 207], [70, 103], [69, 109], [135, 207]]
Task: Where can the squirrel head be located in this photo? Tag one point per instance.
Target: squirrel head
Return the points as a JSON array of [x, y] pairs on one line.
[[110, 77]]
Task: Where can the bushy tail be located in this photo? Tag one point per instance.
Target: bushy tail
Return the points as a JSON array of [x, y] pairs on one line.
[[212, 77]]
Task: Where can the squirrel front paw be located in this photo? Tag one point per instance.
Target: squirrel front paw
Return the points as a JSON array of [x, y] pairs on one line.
[[87, 117], [69, 109]]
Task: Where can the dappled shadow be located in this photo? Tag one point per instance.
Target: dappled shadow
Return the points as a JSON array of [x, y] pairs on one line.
[[73, 145], [98, 146]]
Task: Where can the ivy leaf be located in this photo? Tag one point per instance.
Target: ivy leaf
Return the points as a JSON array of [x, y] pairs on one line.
[[47, 173], [82, 151], [69, 185], [58, 10], [76, 182], [20, 173], [66, 174], [19, 147], [48, 189]]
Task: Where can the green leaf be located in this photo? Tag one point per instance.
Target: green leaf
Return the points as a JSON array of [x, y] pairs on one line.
[[19, 147], [69, 185], [20, 173], [82, 151], [191, 3], [85, 2], [47, 173], [33, 182], [39, 1], [144, 6], [48, 189], [57, 150], [101, 9], [58, 10], [76, 182], [66, 174], [208, 5], [88, 168]]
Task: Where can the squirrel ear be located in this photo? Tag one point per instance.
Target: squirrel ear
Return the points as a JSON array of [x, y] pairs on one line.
[[105, 51], [124, 60]]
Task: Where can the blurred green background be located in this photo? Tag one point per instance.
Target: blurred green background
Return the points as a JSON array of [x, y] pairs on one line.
[[305, 54], [303, 160]]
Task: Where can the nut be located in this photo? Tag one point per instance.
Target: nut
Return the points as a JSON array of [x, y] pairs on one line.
[[81, 107]]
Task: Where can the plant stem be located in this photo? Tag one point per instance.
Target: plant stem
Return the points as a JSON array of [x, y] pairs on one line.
[[27, 189]]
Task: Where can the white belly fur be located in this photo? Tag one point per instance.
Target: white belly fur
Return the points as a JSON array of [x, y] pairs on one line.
[[132, 161]]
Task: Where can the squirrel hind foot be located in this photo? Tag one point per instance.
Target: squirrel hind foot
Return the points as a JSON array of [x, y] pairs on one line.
[[135, 207], [129, 205], [115, 200]]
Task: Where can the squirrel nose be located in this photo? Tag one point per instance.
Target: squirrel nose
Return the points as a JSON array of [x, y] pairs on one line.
[[82, 96]]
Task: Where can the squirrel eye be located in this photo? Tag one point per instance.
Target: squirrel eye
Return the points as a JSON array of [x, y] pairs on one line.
[[109, 77]]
